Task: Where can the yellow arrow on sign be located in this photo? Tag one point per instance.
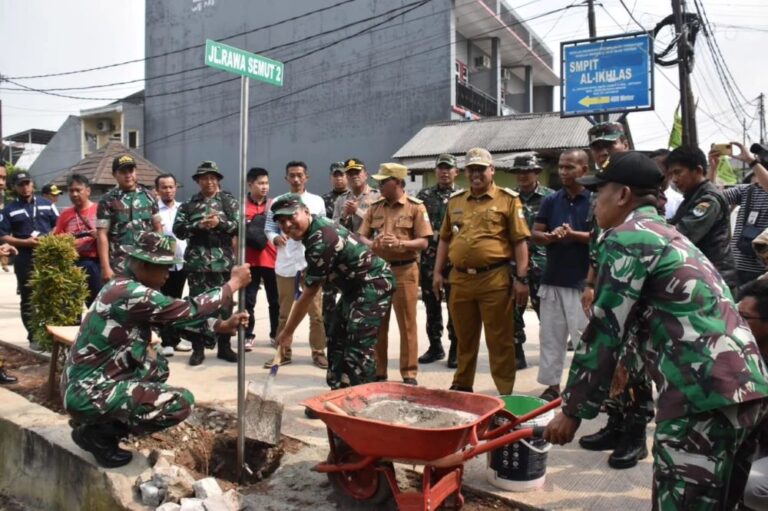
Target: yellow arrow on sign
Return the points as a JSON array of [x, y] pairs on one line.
[[587, 101]]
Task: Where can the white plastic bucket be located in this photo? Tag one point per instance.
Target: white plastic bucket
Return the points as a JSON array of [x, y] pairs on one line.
[[520, 466]]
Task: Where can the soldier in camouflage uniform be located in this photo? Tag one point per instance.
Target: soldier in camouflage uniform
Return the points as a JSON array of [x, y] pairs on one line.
[[435, 199], [339, 183], [654, 285], [124, 212], [527, 169], [209, 221], [340, 258], [113, 384]]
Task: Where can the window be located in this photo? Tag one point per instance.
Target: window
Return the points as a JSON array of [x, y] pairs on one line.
[[133, 139]]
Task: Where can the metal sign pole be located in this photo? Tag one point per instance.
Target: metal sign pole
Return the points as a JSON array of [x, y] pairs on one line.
[[243, 194]]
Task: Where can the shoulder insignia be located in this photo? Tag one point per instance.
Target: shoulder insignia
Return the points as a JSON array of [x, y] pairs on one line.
[[415, 200], [510, 191], [380, 199], [701, 209], [457, 193]]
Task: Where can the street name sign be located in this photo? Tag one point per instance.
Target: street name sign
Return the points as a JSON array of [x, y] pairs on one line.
[[240, 62], [608, 74]]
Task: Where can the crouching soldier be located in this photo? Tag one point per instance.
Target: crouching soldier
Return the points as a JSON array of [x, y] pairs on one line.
[[341, 259], [113, 384]]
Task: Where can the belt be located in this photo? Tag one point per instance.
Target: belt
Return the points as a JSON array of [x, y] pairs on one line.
[[481, 269], [402, 263]]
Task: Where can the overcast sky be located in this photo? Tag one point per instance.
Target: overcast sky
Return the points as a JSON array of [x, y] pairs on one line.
[[52, 36]]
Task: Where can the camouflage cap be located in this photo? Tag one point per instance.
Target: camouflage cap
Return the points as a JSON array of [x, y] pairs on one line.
[[123, 161], [760, 246], [389, 170], [287, 204], [207, 167], [337, 166], [153, 247], [608, 131], [354, 164], [478, 156], [445, 159], [525, 163]]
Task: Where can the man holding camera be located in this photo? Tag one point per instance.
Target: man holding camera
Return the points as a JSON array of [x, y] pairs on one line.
[[80, 222]]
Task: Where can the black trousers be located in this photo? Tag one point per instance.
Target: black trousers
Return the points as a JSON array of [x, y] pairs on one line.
[[267, 275], [173, 287]]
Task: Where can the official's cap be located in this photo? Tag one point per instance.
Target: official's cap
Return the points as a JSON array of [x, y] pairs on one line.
[[51, 189], [607, 131], [122, 162], [21, 176], [478, 156], [354, 164], [337, 166], [153, 247], [526, 162], [286, 204], [445, 159], [388, 170], [630, 168], [207, 167]]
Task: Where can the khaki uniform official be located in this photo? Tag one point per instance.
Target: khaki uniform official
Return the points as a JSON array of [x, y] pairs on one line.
[[482, 232], [407, 219]]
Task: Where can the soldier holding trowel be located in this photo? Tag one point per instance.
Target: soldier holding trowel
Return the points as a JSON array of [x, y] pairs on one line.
[[340, 258], [113, 384]]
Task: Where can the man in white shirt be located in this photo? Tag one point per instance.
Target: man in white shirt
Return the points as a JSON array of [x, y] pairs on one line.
[[671, 197], [290, 264], [165, 188]]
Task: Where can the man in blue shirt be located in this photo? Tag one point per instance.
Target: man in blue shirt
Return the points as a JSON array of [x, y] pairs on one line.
[[562, 226], [22, 222]]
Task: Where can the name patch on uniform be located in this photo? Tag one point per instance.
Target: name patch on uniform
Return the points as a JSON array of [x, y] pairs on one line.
[[701, 209]]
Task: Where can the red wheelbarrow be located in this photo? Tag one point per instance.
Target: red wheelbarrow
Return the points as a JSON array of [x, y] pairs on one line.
[[360, 464]]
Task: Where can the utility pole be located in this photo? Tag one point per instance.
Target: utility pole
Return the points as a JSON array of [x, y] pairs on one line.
[[762, 118], [593, 35], [687, 108]]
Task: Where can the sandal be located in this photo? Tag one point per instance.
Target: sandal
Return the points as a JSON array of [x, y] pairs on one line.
[[549, 394]]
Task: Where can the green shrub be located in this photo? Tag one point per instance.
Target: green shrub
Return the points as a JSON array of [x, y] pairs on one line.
[[59, 288]]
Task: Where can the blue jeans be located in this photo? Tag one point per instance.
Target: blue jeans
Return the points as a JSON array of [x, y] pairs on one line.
[[92, 271]]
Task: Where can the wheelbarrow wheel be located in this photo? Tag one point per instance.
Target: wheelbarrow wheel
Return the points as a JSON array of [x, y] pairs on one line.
[[366, 488]]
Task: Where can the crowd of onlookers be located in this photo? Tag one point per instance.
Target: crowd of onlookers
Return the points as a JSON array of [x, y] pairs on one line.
[[488, 251]]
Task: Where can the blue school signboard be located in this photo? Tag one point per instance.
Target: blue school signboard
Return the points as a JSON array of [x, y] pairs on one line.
[[609, 74]]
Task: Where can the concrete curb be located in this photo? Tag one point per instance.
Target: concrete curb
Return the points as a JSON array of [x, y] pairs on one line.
[[41, 466]]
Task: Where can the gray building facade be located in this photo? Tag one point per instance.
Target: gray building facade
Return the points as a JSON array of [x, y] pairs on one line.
[[361, 78]]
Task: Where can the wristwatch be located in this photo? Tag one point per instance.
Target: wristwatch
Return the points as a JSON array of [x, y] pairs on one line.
[[523, 280]]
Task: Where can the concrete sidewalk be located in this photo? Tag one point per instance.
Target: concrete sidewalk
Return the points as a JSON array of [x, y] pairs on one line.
[[576, 479]]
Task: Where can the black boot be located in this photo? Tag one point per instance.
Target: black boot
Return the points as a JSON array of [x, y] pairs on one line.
[[520, 357], [197, 357], [102, 440], [605, 439], [5, 378], [631, 448], [225, 350], [452, 360], [434, 353]]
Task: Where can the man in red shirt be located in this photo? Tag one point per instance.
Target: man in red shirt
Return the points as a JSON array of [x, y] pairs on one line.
[[80, 222], [260, 254]]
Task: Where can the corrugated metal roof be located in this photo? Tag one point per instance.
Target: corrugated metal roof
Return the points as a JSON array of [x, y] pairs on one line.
[[507, 134], [97, 167]]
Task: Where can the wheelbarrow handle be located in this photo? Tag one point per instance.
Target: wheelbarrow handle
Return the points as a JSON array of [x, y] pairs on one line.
[[513, 420], [458, 458]]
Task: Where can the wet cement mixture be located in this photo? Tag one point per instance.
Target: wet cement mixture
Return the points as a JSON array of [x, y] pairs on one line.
[[406, 413]]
